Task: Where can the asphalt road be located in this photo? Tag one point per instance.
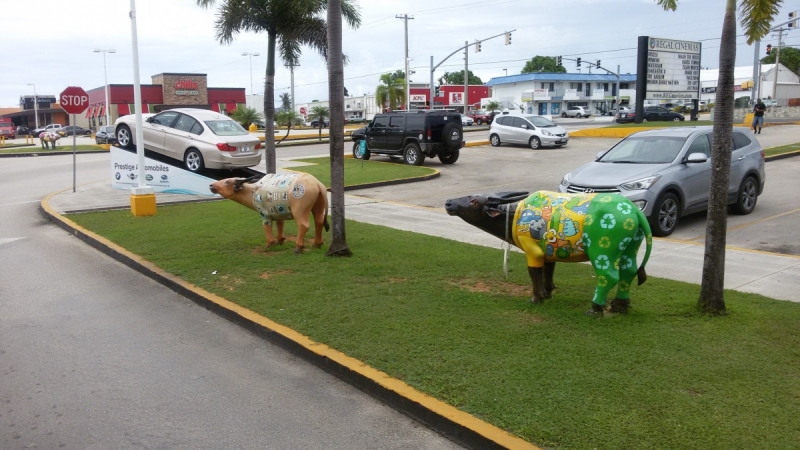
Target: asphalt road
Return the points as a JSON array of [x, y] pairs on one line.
[[95, 356]]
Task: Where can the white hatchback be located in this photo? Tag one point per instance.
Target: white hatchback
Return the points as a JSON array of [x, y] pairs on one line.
[[198, 137], [534, 131]]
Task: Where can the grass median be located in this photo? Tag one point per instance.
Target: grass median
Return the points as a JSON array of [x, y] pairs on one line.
[[438, 315], [791, 148], [61, 148], [355, 173]]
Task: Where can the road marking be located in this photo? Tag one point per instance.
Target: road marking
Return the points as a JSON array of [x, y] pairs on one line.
[[745, 225], [9, 240]]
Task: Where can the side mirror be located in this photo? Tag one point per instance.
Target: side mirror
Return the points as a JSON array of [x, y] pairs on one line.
[[599, 155], [525, 127], [697, 158], [149, 119]]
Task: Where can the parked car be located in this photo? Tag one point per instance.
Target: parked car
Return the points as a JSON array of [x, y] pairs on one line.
[[315, 123], [412, 136], [199, 138], [667, 173], [72, 129], [534, 131], [770, 103], [22, 130], [577, 111], [52, 127], [481, 116], [105, 135], [621, 109], [651, 114], [467, 120], [7, 129]]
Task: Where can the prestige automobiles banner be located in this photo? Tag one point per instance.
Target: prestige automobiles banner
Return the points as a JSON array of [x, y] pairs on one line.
[[161, 177]]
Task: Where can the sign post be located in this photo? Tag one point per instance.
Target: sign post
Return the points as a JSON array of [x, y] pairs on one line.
[[73, 100]]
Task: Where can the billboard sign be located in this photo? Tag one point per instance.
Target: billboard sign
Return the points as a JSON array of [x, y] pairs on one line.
[[161, 177], [673, 69], [419, 98]]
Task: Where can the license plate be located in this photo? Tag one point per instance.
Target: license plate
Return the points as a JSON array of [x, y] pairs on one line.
[[563, 141], [244, 149]]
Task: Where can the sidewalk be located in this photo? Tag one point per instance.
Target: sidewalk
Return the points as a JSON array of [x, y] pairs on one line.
[[769, 274]]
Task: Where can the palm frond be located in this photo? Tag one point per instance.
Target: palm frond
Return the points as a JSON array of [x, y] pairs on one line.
[[756, 17], [668, 4]]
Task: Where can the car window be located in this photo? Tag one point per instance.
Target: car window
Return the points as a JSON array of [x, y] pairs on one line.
[[519, 122], [396, 122], [380, 122], [700, 145], [225, 128], [501, 120], [415, 122], [196, 129], [184, 123], [541, 122], [165, 118], [645, 150], [711, 138], [740, 140]]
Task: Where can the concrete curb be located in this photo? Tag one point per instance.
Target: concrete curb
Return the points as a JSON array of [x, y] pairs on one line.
[[457, 425], [20, 155], [781, 156], [625, 132]]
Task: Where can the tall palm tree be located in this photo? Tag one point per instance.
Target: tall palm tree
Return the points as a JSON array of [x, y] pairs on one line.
[[286, 101], [245, 116], [756, 16], [289, 24], [289, 119], [391, 92], [320, 113], [336, 101]]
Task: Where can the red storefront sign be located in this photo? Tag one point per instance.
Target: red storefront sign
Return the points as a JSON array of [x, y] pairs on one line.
[[186, 87]]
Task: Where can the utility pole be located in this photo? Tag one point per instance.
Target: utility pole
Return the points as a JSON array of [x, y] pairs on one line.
[[754, 91], [405, 59], [291, 91], [466, 74], [777, 61]]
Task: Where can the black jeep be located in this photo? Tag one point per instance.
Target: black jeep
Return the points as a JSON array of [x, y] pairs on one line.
[[413, 136]]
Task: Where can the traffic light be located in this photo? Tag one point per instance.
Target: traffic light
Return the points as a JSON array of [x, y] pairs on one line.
[[793, 24], [436, 91], [559, 60], [598, 63], [477, 46], [769, 49], [508, 38], [579, 62]]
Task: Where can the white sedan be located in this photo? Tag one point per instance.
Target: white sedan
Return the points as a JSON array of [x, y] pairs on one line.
[[466, 120], [198, 137]]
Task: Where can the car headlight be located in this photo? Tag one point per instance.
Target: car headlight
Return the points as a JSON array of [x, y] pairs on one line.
[[565, 180], [546, 133], [642, 184]]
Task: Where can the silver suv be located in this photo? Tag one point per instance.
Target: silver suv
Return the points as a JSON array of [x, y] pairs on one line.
[[667, 173]]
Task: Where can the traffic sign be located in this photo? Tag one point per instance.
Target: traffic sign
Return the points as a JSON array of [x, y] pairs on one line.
[[74, 100]]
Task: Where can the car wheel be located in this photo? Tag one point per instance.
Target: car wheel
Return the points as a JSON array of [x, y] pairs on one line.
[[478, 121], [665, 215], [412, 155], [495, 140], [193, 160], [563, 114], [578, 115], [747, 198], [124, 137], [676, 119], [88, 133], [449, 157], [451, 136], [357, 154], [535, 142]]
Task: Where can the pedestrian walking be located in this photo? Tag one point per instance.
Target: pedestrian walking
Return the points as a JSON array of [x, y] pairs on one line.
[[758, 116]]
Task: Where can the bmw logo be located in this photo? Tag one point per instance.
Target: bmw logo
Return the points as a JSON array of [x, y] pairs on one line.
[[117, 176], [163, 178]]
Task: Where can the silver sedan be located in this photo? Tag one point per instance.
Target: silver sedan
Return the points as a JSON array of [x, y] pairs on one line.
[[199, 138]]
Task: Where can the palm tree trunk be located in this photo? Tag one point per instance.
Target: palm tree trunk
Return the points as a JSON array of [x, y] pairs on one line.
[[320, 130], [712, 294], [269, 105], [336, 98]]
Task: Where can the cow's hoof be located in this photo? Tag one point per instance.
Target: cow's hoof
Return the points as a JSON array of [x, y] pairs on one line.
[[281, 241], [298, 250], [596, 311], [537, 300], [272, 244], [619, 305], [548, 294], [315, 246]]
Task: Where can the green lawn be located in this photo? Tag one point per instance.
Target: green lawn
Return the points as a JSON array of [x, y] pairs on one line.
[[61, 148], [354, 173], [782, 149], [438, 315], [685, 123]]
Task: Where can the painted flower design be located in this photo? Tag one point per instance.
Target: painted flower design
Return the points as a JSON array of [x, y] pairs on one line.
[[624, 208], [608, 221], [602, 262], [624, 244], [629, 224], [604, 242]]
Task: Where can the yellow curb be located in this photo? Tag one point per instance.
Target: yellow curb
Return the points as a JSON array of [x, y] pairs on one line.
[[609, 132], [781, 155], [476, 143], [455, 415]]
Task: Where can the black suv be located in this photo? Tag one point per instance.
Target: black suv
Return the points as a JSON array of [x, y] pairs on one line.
[[412, 136]]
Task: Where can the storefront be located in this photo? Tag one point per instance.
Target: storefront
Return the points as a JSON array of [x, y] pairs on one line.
[[167, 91]]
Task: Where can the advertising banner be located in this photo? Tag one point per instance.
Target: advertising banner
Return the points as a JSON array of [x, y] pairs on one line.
[[161, 177], [456, 98], [673, 69], [419, 98]]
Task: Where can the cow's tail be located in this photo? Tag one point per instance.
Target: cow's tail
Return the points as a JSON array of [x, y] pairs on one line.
[[323, 192], [644, 225]]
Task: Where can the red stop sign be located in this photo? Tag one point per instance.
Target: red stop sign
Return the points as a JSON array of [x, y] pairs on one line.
[[74, 100]]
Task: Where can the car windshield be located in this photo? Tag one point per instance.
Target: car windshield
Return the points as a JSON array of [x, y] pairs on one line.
[[645, 150], [541, 122], [225, 128], [108, 129]]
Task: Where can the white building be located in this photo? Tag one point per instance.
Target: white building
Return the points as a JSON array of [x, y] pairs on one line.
[[356, 108], [788, 85]]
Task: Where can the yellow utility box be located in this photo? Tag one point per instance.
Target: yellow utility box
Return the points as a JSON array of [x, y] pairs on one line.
[[143, 205]]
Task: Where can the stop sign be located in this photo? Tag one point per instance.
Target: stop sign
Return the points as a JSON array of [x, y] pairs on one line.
[[74, 100]]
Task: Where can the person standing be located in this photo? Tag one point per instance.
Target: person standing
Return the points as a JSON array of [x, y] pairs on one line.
[[758, 116]]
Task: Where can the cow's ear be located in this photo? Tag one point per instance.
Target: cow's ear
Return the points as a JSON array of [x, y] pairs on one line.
[[238, 185], [493, 212]]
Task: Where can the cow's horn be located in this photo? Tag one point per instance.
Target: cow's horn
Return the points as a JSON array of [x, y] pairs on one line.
[[507, 197]]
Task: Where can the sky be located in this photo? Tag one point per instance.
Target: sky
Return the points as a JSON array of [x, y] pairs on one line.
[[55, 50]]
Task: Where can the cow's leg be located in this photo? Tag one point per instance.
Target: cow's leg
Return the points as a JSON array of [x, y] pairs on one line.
[[549, 285], [268, 232], [281, 238], [302, 229], [627, 272], [319, 221], [537, 279], [607, 278]]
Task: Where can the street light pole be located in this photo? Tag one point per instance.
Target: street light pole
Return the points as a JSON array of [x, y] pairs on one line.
[[405, 58], [35, 104], [252, 91], [105, 79]]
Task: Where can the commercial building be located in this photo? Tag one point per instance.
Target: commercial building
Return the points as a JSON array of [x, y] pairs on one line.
[[49, 112], [788, 85], [549, 94]]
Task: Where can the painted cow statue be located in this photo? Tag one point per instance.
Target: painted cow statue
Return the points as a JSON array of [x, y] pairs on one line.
[[47, 138], [551, 227], [280, 197]]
